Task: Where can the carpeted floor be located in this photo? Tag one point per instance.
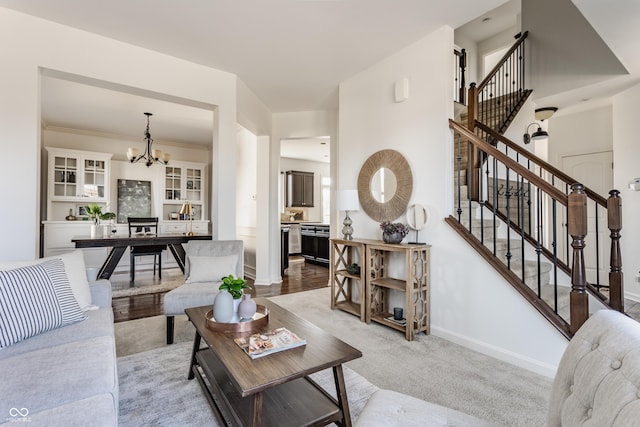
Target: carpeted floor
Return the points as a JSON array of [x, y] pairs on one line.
[[154, 390], [428, 368]]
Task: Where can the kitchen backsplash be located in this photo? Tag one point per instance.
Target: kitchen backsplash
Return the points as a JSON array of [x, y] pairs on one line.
[[298, 214]]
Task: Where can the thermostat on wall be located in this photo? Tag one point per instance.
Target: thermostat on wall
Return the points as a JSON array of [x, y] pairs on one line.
[[635, 184]]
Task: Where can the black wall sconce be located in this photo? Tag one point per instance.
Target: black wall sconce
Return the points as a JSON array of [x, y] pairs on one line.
[[538, 134]]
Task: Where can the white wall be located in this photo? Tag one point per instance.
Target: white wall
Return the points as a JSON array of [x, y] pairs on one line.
[[582, 132], [246, 178], [254, 116], [465, 292], [626, 152], [38, 44]]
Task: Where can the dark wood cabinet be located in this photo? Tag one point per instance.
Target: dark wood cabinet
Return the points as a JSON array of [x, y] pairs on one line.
[[315, 243], [299, 189]]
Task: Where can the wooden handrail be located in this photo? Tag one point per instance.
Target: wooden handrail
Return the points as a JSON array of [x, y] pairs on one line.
[[495, 69], [510, 163], [540, 162]]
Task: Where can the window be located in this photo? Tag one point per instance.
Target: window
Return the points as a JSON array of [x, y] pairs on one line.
[[326, 199]]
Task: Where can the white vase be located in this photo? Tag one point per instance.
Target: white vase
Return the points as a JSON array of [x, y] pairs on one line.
[[94, 231], [247, 308], [223, 307], [236, 304]]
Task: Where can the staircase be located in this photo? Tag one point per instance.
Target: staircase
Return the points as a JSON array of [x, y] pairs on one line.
[[523, 215]]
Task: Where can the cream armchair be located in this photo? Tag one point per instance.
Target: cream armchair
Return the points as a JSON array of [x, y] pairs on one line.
[[207, 261]]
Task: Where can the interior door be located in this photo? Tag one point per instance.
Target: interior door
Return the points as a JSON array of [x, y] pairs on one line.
[[595, 171]]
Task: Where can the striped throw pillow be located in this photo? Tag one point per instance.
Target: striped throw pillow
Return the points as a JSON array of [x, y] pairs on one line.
[[35, 299]]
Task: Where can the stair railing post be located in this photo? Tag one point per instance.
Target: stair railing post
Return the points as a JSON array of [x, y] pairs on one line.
[[577, 223], [472, 165], [614, 217]]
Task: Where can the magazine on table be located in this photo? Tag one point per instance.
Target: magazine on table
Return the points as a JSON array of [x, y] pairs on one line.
[[263, 343]]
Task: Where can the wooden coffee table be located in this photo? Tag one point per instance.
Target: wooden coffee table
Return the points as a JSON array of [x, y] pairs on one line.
[[274, 390]]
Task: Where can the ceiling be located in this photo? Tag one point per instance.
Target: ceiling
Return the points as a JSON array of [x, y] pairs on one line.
[[291, 53]]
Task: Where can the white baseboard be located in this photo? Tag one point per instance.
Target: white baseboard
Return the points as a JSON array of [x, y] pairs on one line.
[[633, 297], [498, 353], [249, 272]]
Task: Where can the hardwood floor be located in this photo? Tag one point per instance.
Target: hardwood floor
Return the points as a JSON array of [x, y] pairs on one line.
[[300, 276]]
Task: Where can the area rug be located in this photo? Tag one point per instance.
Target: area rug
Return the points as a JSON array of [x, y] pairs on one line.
[[154, 390], [428, 368], [145, 282]]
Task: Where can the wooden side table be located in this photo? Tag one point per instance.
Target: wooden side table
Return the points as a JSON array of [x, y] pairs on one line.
[[415, 285], [344, 284]]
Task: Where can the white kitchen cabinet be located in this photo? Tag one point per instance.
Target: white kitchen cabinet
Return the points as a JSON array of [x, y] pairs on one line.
[[78, 176], [169, 227], [57, 241], [184, 181]]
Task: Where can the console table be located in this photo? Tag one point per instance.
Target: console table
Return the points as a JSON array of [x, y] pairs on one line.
[[373, 284]]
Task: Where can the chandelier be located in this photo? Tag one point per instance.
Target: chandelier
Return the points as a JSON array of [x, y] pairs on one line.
[[150, 156]]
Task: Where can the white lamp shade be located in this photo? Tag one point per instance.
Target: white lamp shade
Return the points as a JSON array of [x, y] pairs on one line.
[[347, 200], [132, 153]]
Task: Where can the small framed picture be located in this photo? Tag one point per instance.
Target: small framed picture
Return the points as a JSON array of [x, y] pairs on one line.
[[81, 209]]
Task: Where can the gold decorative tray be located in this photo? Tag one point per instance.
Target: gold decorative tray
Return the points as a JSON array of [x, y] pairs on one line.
[[259, 319]]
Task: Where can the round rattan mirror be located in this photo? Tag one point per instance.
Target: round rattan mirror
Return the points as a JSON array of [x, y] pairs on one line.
[[385, 184]]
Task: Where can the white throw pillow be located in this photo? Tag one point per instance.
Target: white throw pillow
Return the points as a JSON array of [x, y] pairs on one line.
[[211, 268], [35, 299], [76, 272]]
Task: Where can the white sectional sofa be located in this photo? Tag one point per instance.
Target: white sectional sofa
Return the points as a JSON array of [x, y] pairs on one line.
[[66, 376]]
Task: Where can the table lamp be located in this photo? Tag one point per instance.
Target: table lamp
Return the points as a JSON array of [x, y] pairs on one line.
[[187, 209], [347, 200]]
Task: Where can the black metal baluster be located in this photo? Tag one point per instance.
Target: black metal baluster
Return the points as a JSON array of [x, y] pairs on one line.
[[508, 197], [539, 240], [521, 219], [597, 248], [495, 202], [555, 257]]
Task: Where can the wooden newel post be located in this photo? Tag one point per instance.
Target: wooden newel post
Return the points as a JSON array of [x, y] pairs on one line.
[[614, 217], [577, 222]]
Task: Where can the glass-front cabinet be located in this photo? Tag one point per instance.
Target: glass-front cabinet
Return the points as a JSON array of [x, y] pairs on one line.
[[184, 181], [78, 175]]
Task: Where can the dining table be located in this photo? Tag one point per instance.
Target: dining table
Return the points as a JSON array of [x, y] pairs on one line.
[[119, 245]]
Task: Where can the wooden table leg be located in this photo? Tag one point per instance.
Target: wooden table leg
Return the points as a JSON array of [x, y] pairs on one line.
[[111, 262], [256, 410], [341, 392], [177, 250], [196, 347]]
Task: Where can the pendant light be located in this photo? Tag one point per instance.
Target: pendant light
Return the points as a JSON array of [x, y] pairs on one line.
[[150, 155]]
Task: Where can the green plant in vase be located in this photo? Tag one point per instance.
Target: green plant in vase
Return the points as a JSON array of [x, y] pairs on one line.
[[234, 285], [95, 213]]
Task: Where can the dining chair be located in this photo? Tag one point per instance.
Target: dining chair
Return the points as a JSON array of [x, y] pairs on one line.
[[144, 226]]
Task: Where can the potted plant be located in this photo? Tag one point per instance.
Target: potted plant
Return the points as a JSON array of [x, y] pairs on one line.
[[234, 285], [95, 213], [393, 232]]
